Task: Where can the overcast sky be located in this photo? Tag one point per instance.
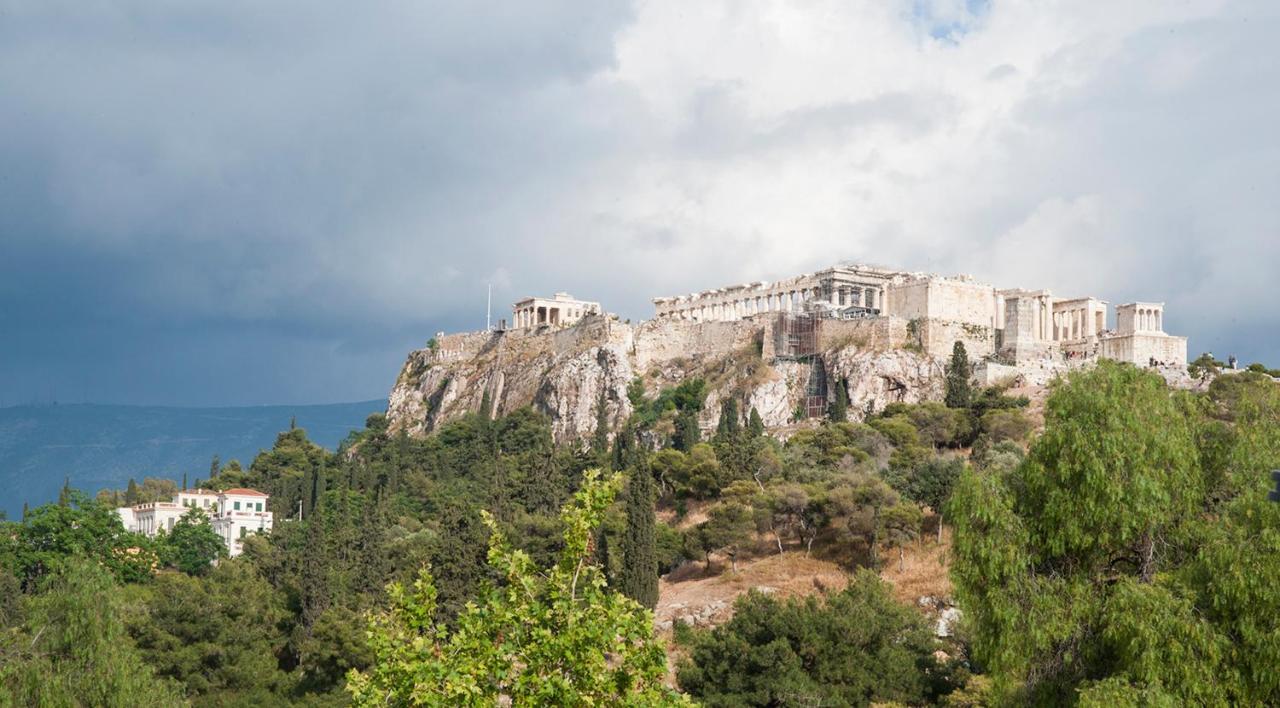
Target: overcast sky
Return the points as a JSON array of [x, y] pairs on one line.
[[239, 202]]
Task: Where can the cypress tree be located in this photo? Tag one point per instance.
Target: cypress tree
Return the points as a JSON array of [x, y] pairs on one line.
[[838, 411], [214, 464], [728, 427], [372, 559], [639, 576], [307, 493], [959, 389], [602, 557], [687, 433], [64, 496], [600, 437], [624, 448], [184, 481], [131, 493], [755, 424], [314, 586]]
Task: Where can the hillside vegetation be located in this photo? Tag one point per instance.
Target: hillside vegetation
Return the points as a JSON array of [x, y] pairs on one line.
[[1122, 556]]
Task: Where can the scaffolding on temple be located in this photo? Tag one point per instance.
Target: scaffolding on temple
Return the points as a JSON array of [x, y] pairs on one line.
[[796, 339]]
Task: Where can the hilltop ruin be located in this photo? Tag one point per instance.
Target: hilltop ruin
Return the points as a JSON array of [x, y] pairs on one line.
[[780, 347]]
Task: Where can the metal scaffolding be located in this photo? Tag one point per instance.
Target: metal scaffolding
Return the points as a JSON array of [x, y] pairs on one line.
[[795, 338]]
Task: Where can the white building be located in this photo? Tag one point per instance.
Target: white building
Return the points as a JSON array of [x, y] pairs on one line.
[[234, 514], [560, 310]]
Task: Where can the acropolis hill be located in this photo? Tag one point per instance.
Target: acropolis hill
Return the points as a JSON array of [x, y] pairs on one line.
[[780, 347]]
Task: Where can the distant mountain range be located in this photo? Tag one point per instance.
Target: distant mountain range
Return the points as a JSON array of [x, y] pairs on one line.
[[100, 446]]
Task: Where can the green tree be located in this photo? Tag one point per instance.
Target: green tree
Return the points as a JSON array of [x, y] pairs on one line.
[[131, 493], [959, 372], [755, 424], [218, 635], [53, 535], [74, 650], [838, 410], [687, 433], [600, 435], [857, 647], [553, 637], [729, 426], [192, 545], [728, 528], [1058, 563], [639, 576]]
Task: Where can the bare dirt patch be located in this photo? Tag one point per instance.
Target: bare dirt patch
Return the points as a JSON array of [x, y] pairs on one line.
[[925, 569], [708, 599]]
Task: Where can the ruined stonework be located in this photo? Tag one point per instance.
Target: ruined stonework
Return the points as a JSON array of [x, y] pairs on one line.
[[782, 348]]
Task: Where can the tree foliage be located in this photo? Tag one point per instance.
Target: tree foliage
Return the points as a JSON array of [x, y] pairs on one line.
[[551, 637], [853, 648], [192, 545], [959, 393], [1123, 559], [73, 649], [638, 579]]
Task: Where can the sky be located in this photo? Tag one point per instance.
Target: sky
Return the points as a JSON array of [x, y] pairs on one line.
[[230, 202]]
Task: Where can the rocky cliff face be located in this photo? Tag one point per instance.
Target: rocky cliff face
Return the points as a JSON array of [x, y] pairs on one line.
[[568, 374]]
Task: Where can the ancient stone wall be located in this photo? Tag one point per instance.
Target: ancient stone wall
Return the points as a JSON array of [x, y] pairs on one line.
[[944, 299], [877, 333], [939, 336], [658, 341], [1142, 349]]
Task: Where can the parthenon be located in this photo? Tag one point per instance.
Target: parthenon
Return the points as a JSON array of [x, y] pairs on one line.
[[1020, 324], [853, 290]]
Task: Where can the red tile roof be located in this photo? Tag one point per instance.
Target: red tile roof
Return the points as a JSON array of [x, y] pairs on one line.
[[241, 491]]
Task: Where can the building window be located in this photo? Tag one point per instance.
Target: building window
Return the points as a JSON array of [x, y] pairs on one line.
[[237, 507], [259, 506]]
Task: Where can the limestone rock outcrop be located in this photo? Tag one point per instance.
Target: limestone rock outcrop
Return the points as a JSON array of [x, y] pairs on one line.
[[569, 373]]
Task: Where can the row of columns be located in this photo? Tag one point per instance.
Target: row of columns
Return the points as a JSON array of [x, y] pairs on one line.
[[1149, 320], [791, 300], [1073, 324], [530, 316]]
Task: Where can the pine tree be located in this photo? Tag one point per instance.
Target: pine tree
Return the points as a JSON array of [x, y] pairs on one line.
[[755, 425], [959, 389], [639, 576], [64, 495]]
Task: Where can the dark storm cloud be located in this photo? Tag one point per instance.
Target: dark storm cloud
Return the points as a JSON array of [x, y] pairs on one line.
[[287, 180], [244, 202]]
